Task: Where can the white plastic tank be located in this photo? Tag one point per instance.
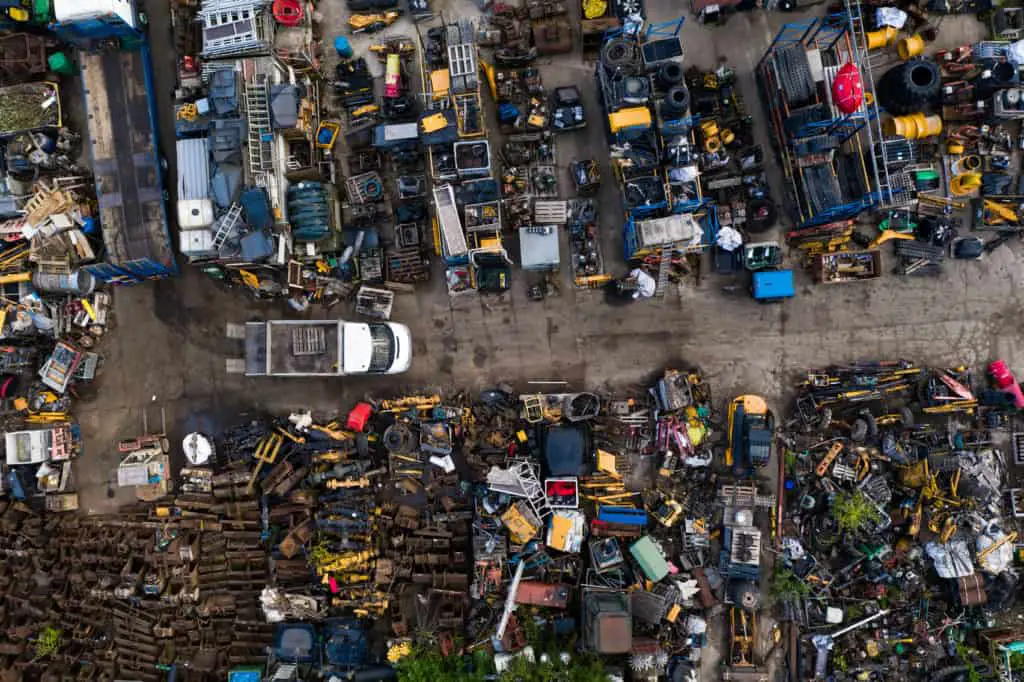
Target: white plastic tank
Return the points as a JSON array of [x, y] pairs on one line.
[[198, 449], [76, 10]]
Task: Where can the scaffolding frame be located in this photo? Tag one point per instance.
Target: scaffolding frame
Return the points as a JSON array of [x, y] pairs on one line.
[[837, 39]]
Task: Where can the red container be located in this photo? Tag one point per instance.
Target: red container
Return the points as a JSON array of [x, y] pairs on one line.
[[359, 417]]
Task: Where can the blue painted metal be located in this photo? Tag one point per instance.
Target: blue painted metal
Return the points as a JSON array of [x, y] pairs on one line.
[[624, 516], [629, 242], [129, 181], [791, 34], [664, 29], [842, 128], [830, 29], [772, 285], [85, 33], [711, 224]]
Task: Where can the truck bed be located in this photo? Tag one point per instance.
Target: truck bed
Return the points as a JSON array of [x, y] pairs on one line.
[[129, 185], [292, 348]]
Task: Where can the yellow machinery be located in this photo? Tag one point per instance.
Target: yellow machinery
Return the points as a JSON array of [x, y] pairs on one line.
[[399, 45], [344, 562], [965, 183], [744, 407], [632, 117], [742, 638], [266, 453], [594, 9], [327, 134], [829, 457], [889, 235], [368, 23], [881, 38], [188, 112], [997, 213], [412, 402]]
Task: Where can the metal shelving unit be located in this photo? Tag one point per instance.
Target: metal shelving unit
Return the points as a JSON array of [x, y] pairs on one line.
[[809, 136]]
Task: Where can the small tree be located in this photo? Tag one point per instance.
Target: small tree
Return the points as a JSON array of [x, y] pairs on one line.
[[853, 511], [48, 642], [785, 585]]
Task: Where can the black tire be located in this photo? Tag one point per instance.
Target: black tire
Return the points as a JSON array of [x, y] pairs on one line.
[[920, 81], [757, 225], [669, 74], [859, 431], [872, 424], [616, 52], [677, 100], [907, 416]]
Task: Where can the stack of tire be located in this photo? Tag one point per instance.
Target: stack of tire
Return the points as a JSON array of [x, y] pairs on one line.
[[910, 87], [669, 78], [794, 73]]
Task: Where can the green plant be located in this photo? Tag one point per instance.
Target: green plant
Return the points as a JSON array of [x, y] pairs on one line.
[[853, 511], [580, 669], [792, 461], [426, 665], [47, 642], [785, 585]]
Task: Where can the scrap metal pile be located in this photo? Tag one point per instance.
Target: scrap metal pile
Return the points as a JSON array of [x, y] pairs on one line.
[[915, 139], [156, 587], [501, 523], [899, 554], [418, 531]]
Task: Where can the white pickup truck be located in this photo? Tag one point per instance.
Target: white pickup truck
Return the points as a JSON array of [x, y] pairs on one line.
[[319, 348]]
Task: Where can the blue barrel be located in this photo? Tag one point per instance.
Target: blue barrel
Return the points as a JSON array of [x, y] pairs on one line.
[[343, 47]]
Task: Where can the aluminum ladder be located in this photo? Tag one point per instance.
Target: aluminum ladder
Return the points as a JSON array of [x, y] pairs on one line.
[[261, 137], [227, 224], [534, 490]]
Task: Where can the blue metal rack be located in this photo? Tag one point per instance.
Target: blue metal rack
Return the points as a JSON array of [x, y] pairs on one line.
[[664, 29]]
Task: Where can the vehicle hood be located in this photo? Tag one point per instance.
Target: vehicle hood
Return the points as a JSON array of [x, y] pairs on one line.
[[356, 348]]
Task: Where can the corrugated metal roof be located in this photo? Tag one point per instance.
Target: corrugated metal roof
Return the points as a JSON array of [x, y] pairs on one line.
[[193, 169]]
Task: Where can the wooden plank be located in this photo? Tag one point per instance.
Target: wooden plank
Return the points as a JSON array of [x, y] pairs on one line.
[[98, 103]]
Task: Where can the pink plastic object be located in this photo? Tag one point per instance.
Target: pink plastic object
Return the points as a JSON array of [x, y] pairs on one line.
[[1005, 381]]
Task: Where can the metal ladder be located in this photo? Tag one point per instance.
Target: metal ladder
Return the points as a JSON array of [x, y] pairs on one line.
[[521, 481], [227, 224], [261, 147], [534, 490], [664, 267]]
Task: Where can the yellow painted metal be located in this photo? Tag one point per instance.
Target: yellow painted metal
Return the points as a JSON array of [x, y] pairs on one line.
[[964, 184], [881, 38], [910, 47], [914, 126], [633, 117]]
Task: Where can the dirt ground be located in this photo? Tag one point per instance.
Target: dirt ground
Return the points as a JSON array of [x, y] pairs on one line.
[[168, 352]]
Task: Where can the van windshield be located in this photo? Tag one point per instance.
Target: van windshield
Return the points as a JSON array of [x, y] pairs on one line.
[[383, 352]]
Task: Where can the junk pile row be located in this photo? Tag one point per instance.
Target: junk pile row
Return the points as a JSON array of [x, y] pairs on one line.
[[899, 541], [308, 185], [68, 230], [485, 533], [882, 143], [104, 222], [156, 588], [685, 163]]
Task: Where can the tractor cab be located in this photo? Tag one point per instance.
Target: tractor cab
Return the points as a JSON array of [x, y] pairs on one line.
[[751, 426]]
